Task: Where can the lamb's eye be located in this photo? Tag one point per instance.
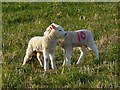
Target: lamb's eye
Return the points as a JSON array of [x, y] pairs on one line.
[[59, 30]]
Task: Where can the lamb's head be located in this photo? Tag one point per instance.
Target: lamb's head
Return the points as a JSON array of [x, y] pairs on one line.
[[55, 30]]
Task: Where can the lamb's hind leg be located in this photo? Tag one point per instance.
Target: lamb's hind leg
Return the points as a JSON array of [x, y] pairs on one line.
[[94, 48], [27, 57], [84, 52], [39, 55]]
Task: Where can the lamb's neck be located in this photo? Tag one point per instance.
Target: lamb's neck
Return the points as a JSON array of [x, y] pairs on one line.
[[52, 43], [53, 38]]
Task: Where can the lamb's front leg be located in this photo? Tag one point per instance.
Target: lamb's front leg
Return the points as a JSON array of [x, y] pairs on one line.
[[64, 56], [68, 53], [51, 55], [83, 55], [46, 59]]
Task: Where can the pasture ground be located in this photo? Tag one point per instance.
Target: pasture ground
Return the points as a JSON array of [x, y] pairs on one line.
[[21, 21]]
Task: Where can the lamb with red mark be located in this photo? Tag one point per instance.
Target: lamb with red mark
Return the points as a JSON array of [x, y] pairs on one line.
[[81, 38]]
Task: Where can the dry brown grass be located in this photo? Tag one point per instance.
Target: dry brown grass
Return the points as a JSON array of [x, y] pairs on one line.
[[106, 40]]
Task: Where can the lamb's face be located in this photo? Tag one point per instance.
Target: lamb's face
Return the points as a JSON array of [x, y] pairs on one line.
[[55, 30], [59, 31]]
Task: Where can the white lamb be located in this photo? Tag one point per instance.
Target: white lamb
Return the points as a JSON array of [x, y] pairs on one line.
[[45, 45], [80, 38]]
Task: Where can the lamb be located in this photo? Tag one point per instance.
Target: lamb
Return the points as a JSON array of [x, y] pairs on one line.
[[80, 38], [45, 45]]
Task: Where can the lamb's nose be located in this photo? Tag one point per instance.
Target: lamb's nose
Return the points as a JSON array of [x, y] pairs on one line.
[[65, 34]]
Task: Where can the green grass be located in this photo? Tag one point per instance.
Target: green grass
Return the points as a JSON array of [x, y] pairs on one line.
[[21, 21]]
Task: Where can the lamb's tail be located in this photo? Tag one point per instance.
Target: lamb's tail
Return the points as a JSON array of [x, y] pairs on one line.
[[29, 49]]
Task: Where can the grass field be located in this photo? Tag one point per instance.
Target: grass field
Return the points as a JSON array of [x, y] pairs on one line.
[[21, 21]]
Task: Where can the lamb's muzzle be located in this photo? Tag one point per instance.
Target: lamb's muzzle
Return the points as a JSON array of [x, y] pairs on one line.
[[65, 34]]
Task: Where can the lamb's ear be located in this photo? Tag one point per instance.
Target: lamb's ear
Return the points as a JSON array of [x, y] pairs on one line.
[[53, 26]]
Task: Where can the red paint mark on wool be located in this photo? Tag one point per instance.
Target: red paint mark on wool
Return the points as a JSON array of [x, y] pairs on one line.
[[50, 28], [81, 35], [78, 36], [53, 26]]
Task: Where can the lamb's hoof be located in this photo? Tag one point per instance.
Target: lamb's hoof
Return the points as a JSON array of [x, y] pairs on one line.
[[78, 63], [22, 65], [63, 65], [62, 72], [41, 66]]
